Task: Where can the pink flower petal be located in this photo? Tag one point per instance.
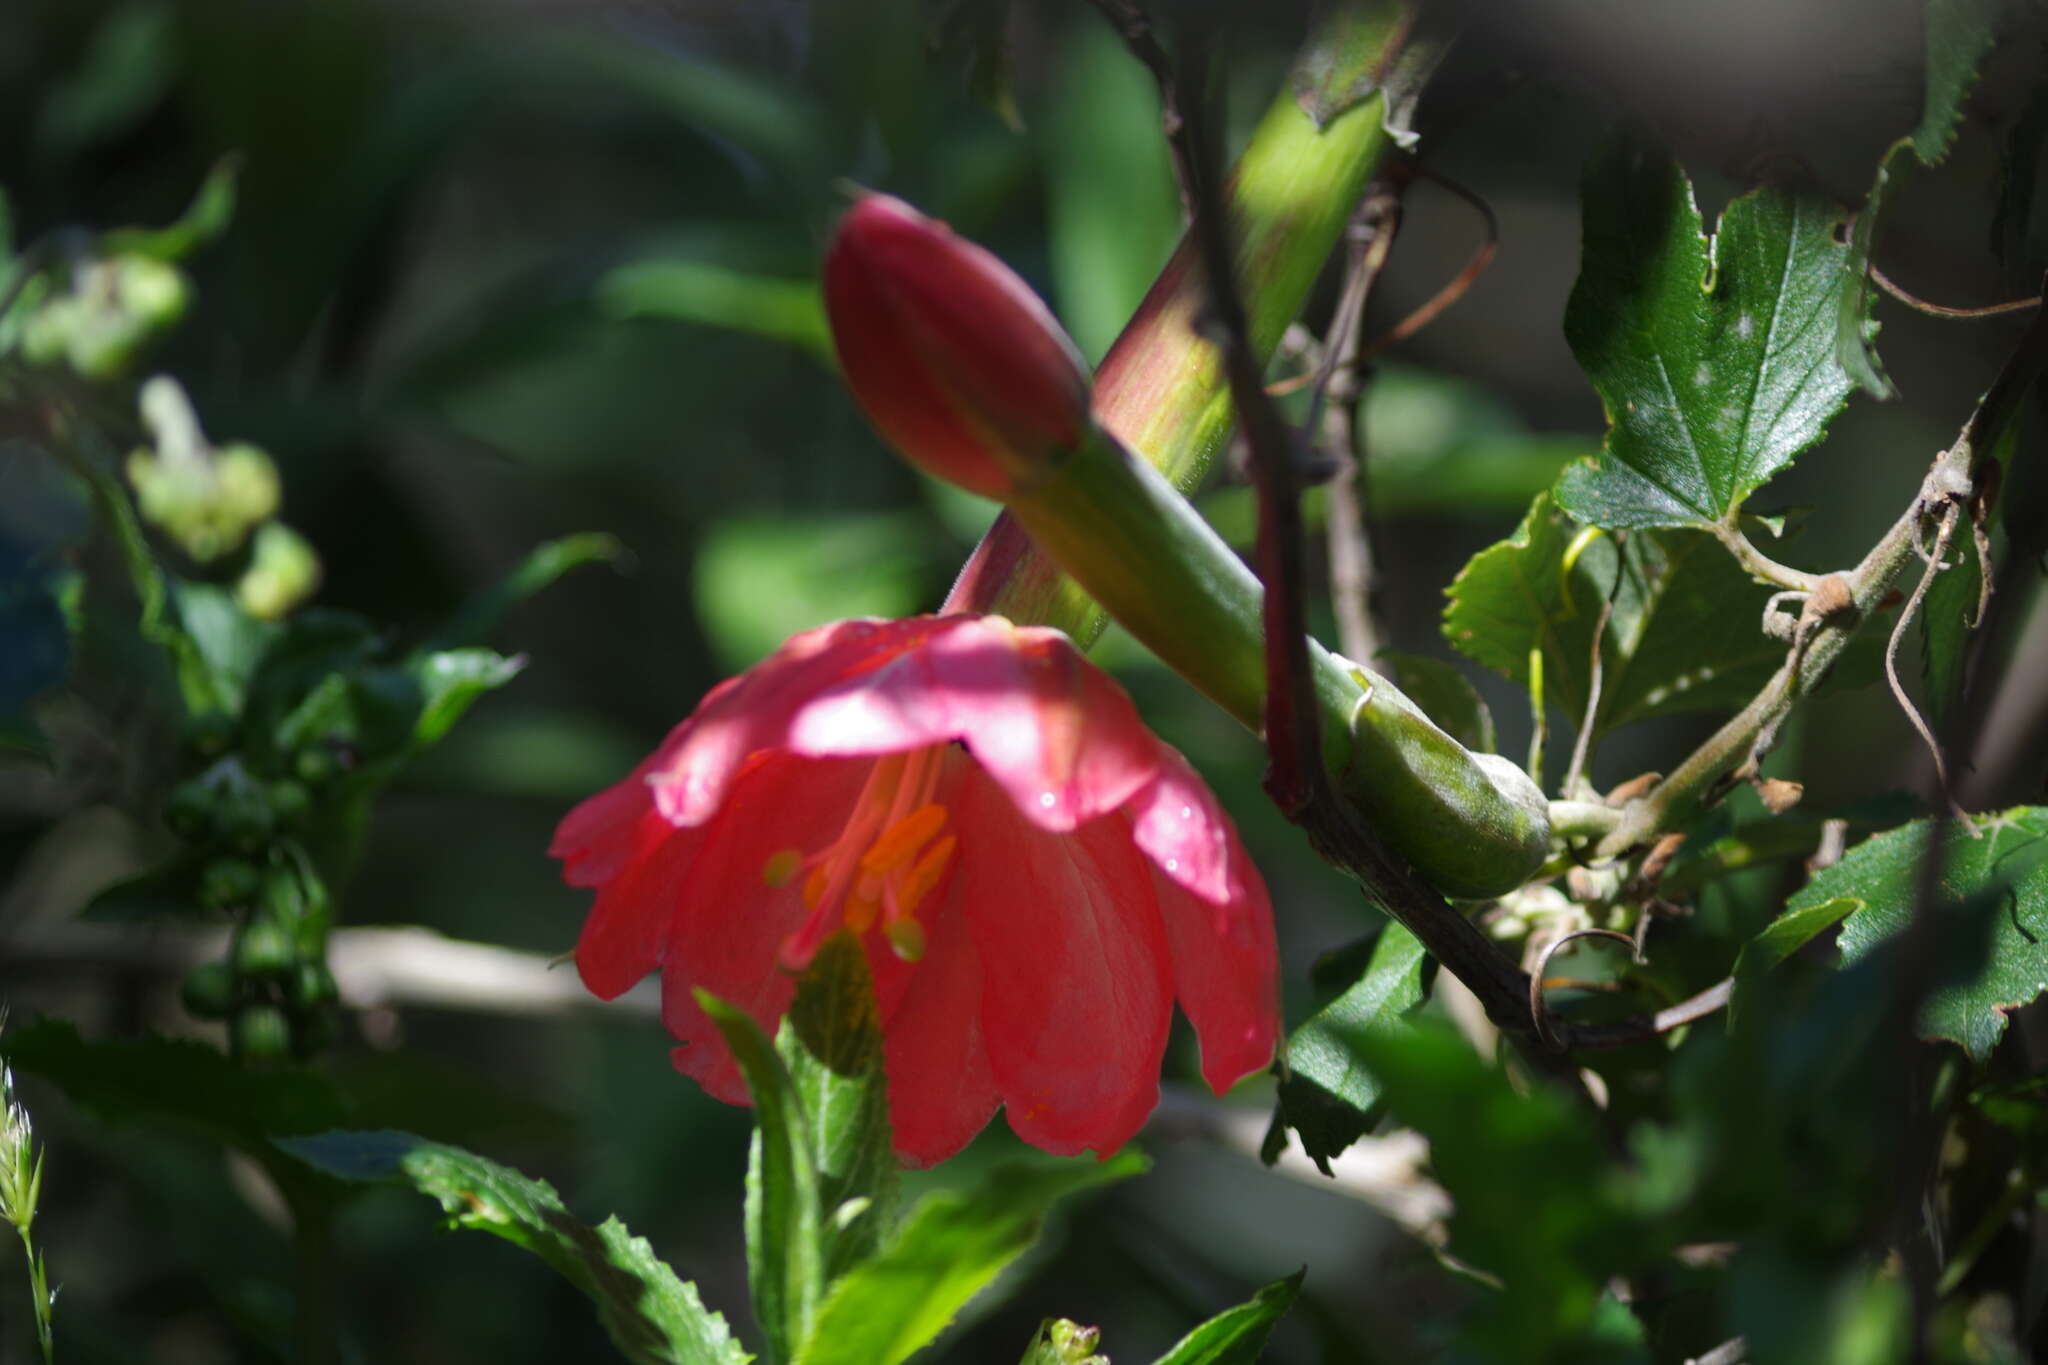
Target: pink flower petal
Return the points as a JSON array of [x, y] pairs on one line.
[[1183, 830], [941, 1091], [745, 715], [729, 923], [1076, 978], [1056, 733], [1225, 974]]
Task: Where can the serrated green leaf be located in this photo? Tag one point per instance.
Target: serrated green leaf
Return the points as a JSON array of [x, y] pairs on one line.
[[831, 1041], [177, 1083], [1996, 882], [784, 1221], [1329, 1095], [1959, 33], [1683, 633], [953, 1243], [543, 564], [1948, 617], [1715, 359], [1237, 1335], [1112, 212], [1855, 329], [653, 1317], [450, 680], [1446, 695], [205, 219]]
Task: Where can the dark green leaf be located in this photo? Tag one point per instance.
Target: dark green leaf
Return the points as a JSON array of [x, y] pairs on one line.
[[1715, 359], [831, 1041], [207, 217], [1781, 938], [542, 566], [1537, 1201], [2023, 505], [760, 581], [1683, 632], [1994, 883], [177, 1083], [1948, 618], [712, 295], [785, 1225], [230, 641], [450, 680], [1855, 330], [653, 1317], [1959, 33], [949, 1248], [1445, 694], [127, 67], [1329, 1095], [1237, 1335]]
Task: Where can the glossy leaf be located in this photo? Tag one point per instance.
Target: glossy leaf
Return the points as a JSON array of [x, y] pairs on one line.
[[1330, 1095], [1780, 939], [1683, 632], [1237, 1335], [653, 1317], [450, 680], [1993, 886], [1715, 358], [784, 1221], [831, 1042], [948, 1250]]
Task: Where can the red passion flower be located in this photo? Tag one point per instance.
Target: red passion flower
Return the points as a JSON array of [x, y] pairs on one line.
[[1035, 876]]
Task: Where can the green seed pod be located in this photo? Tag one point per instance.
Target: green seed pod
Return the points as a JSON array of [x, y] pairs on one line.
[[210, 990], [228, 882], [1474, 825], [262, 1033], [263, 948]]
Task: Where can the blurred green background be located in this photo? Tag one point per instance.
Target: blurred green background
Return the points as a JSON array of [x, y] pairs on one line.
[[505, 270]]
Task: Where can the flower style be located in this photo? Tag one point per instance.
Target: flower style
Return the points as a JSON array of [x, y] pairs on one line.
[[1035, 877]]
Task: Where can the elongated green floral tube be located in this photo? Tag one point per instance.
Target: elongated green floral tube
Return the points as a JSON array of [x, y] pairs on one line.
[[1161, 389], [1474, 825]]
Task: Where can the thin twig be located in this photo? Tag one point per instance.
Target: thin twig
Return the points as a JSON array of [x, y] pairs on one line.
[[1949, 516], [1450, 293], [1583, 740], [1920, 305], [1539, 1010], [1340, 390], [1294, 776]]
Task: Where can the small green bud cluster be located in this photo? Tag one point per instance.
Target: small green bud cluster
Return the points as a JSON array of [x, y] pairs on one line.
[[1063, 1342], [273, 988]]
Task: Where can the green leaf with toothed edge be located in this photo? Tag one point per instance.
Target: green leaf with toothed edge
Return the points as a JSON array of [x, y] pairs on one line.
[[947, 1251], [1683, 631], [1959, 33], [653, 1317], [1715, 358], [1993, 896]]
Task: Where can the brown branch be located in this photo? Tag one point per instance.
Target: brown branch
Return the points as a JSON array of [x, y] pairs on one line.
[[1434, 306], [1920, 305]]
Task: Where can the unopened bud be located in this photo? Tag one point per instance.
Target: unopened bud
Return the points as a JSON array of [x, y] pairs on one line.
[[951, 356]]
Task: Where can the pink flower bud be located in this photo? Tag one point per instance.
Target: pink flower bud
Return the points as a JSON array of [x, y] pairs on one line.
[[951, 356]]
